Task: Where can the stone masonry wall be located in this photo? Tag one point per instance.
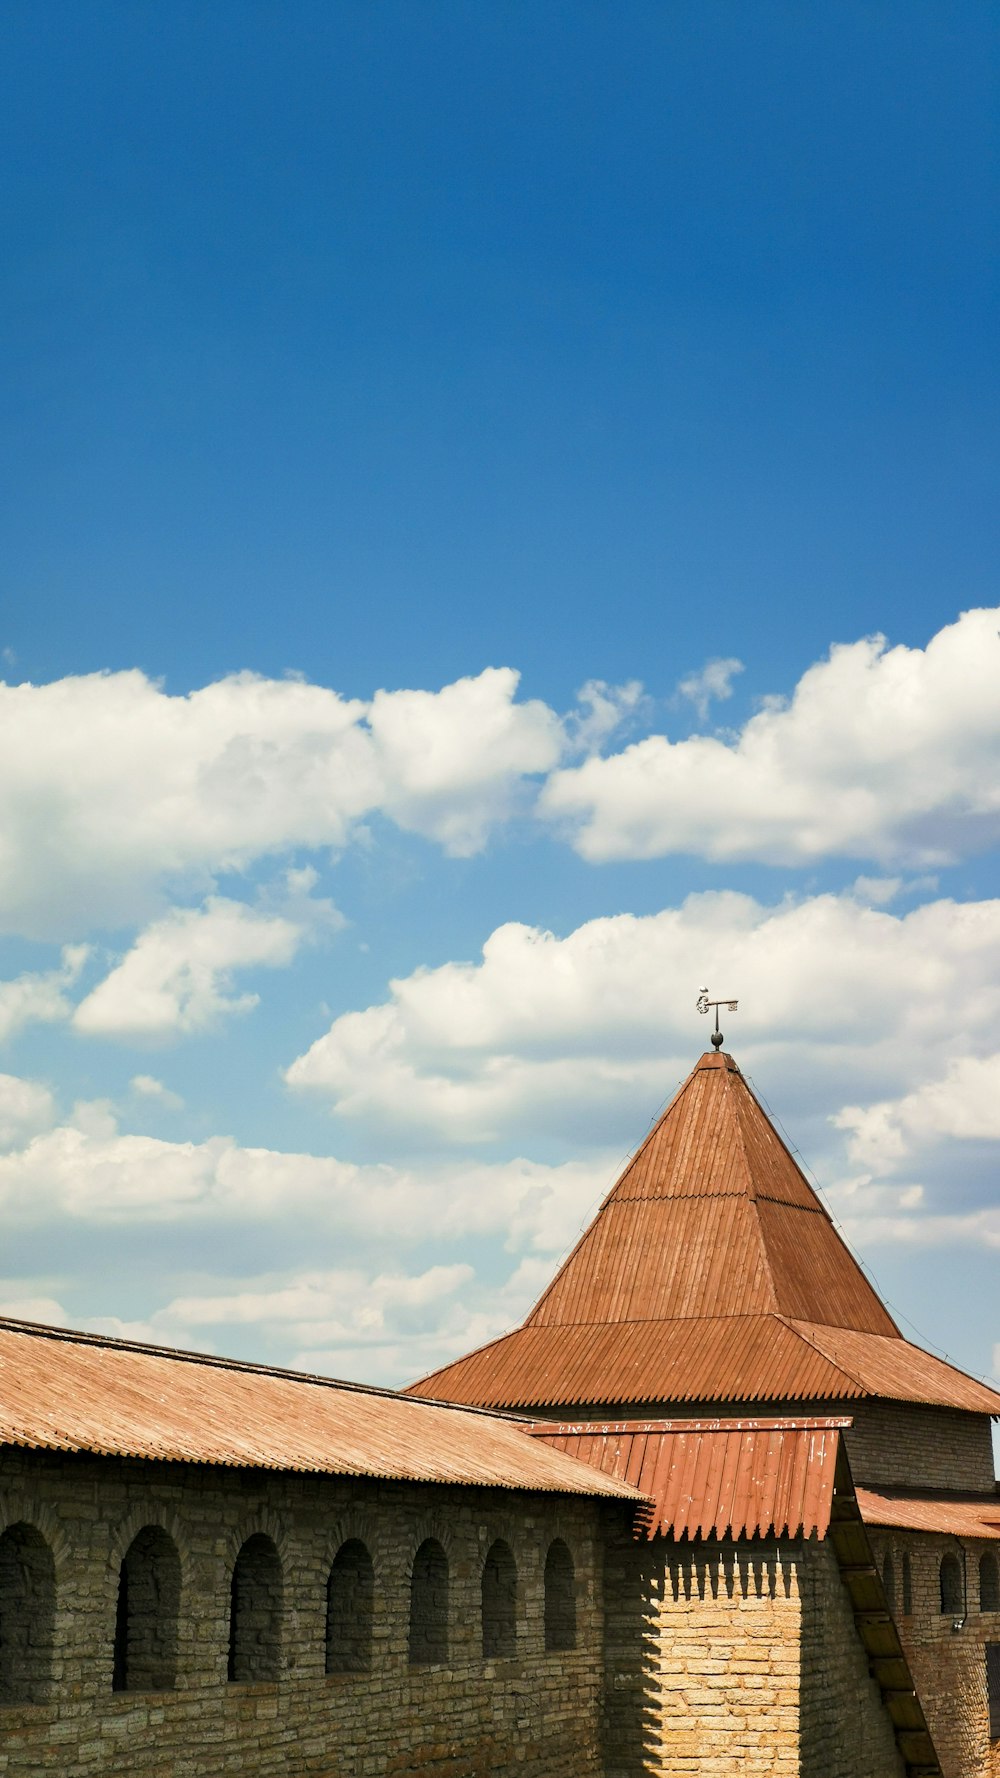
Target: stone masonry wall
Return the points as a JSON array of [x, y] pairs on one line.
[[908, 1446], [948, 1665], [535, 1712], [736, 1659], [846, 1730]]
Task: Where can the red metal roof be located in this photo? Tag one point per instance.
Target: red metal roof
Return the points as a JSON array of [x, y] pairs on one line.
[[76, 1392], [711, 1272], [950, 1515], [716, 1478]]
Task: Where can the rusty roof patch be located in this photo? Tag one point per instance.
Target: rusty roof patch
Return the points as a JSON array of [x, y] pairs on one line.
[[701, 1359]]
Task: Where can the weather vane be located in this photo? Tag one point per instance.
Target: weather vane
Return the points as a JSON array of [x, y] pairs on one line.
[[704, 1005]]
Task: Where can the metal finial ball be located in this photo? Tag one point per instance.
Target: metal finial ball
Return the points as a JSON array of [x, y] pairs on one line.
[[717, 1039]]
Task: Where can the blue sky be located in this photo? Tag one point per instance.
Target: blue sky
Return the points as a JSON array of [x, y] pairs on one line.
[[455, 464]]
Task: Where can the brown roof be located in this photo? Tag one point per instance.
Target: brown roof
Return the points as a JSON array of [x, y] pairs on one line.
[[712, 1216], [761, 1358], [716, 1478], [64, 1391], [711, 1272], [950, 1515]]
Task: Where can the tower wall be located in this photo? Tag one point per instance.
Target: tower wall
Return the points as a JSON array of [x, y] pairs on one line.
[[737, 1658]]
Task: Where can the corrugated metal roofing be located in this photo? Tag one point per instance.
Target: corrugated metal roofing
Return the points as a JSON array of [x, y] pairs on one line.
[[716, 1478], [727, 1358], [712, 1217], [711, 1272], [77, 1392], [950, 1515]]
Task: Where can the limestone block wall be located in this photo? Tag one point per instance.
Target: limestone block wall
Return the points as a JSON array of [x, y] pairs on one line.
[[948, 1665], [462, 1716], [746, 1661]]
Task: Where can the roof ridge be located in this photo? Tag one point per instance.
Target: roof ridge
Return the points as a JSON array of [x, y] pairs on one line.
[[751, 1192]]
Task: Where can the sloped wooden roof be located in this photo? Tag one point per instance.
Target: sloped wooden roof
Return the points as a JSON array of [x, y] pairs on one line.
[[711, 1272], [62, 1391], [712, 1217]]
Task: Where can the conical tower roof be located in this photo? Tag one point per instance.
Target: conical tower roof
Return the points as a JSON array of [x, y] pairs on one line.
[[710, 1273], [712, 1217]]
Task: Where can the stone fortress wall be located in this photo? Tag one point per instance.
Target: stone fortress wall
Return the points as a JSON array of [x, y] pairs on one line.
[[470, 1659]]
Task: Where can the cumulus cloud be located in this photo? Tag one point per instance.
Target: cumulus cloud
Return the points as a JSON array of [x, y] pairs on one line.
[[87, 1170], [40, 997], [575, 1035], [118, 797], [450, 761], [177, 978], [963, 1105], [24, 1306], [712, 683], [602, 710], [384, 1326], [26, 1107], [115, 792], [886, 754]]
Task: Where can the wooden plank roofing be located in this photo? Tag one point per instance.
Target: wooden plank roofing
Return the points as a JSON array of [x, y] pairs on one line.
[[711, 1272], [740, 1358], [74, 1392]]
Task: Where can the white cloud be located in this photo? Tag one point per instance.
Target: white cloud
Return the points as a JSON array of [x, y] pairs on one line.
[[40, 998], [86, 1170], [450, 761], [963, 1105], [601, 710], [177, 978], [26, 1107], [117, 796], [146, 1086], [387, 1326], [115, 792], [713, 682], [889, 754], [33, 1308], [576, 1035], [384, 1326]]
